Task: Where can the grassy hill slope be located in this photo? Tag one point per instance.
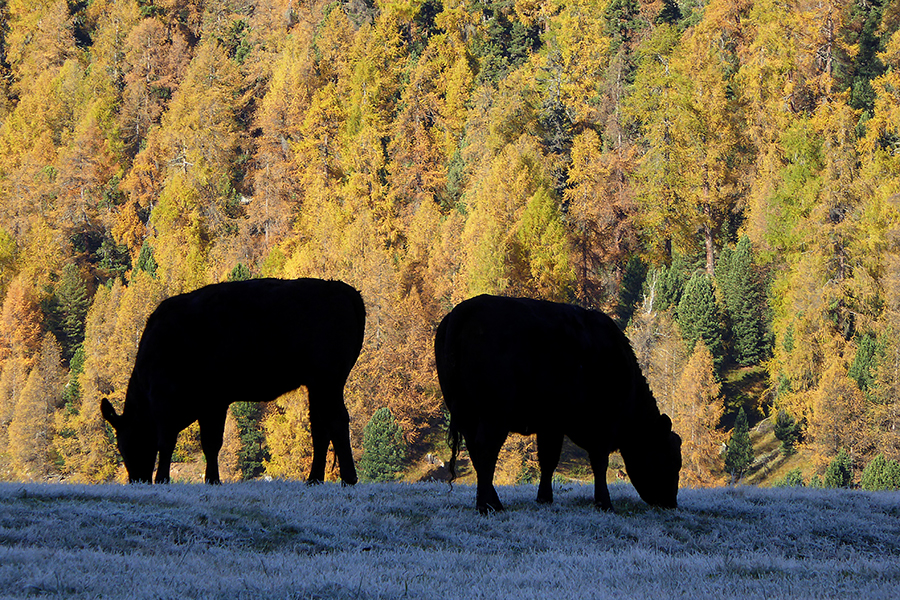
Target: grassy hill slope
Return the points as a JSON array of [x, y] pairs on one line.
[[287, 540]]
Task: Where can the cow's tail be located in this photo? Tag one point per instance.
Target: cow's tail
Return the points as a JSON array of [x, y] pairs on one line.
[[453, 440], [445, 377]]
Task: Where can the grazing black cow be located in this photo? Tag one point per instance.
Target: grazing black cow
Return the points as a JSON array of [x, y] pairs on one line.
[[554, 370], [251, 341]]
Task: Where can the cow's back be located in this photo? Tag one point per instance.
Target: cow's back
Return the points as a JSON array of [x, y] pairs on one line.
[[532, 364], [252, 340]]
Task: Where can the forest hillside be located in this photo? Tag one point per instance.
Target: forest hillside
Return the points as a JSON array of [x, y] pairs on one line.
[[722, 177]]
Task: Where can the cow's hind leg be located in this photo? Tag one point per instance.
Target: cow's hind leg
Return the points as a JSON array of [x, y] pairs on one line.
[[599, 464], [320, 443], [340, 439], [484, 449], [212, 430], [329, 423], [549, 447]]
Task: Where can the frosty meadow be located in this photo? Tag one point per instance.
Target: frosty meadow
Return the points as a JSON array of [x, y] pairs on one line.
[[287, 540]]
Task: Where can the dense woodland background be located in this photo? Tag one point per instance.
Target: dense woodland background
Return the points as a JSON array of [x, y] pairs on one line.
[[722, 177]]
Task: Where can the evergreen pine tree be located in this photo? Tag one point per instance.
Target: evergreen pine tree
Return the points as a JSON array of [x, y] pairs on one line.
[[72, 391], [664, 285], [881, 474], [113, 257], [254, 449], [240, 272], [839, 471], [673, 280], [630, 290], [739, 455], [865, 362], [744, 300], [794, 478], [787, 430], [670, 13], [384, 449], [145, 261], [698, 316], [623, 18], [72, 303]]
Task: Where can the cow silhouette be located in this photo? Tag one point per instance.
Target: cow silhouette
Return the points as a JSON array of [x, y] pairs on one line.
[[552, 370], [240, 341]]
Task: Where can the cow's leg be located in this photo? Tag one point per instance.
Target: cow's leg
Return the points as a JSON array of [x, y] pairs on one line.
[[549, 447], [166, 449], [599, 464], [212, 430], [340, 438], [329, 422], [484, 450], [320, 442]]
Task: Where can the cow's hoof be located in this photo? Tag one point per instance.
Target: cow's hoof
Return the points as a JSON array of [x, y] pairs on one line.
[[545, 499], [311, 482], [489, 509]]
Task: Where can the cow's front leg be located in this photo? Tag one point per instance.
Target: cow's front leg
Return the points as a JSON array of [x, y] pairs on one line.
[[549, 447], [599, 464], [166, 449]]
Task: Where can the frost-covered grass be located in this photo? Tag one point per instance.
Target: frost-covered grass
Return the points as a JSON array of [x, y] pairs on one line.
[[287, 540]]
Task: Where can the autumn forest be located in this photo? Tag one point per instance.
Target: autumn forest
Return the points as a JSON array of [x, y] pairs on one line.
[[721, 177]]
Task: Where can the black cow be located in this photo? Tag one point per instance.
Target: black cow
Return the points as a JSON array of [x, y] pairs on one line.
[[251, 341], [554, 370]]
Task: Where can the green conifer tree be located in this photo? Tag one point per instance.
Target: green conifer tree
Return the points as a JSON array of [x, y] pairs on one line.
[[839, 471], [254, 449], [739, 455], [881, 474], [865, 362], [787, 430], [630, 290], [744, 302], [72, 391], [665, 284], [670, 13], [794, 478], [384, 450], [699, 318], [72, 306], [240, 272], [145, 261]]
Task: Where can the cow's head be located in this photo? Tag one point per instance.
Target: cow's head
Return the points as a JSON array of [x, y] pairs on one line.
[[138, 449], [653, 463]]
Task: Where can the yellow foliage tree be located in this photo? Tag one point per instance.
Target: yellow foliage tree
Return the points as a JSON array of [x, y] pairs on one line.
[[85, 444], [508, 181], [660, 351], [837, 419], [20, 328], [231, 447], [601, 211], [32, 429], [695, 413], [288, 437]]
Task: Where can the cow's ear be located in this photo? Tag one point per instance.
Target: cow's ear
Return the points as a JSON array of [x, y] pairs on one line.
[[109, 413]]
